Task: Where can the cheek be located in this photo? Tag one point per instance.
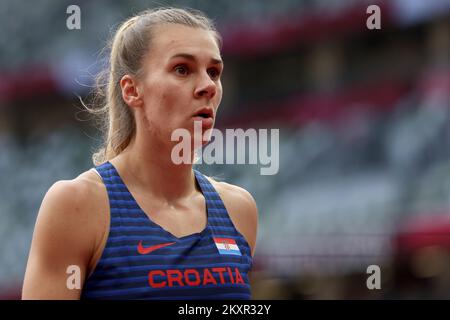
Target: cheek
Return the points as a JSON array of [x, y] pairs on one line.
[[170, 100], [163, 105], [218, 97], [164, 94]]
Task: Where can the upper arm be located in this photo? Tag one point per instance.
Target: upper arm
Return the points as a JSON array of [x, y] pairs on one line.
[[243, 211], [61, 238], [248, 217]]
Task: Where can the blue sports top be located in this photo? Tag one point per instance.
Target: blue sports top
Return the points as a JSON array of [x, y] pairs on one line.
[[141, 260]]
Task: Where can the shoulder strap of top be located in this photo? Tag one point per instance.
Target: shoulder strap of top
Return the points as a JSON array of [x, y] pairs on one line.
[[214, 203]]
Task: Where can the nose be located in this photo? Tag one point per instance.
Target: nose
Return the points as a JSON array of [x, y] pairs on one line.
[[206, 88]]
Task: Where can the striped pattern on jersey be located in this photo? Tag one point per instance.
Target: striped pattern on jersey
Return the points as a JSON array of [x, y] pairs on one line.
[[141, 260]]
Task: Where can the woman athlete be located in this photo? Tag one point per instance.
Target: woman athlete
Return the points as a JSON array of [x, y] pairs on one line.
[[139, 226]]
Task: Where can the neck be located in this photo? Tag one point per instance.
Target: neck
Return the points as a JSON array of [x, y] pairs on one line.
[[149, 166]]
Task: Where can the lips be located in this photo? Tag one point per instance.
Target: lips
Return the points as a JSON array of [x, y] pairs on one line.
[[204, 113]]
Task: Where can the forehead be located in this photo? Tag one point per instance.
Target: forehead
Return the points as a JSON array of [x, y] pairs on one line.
[[171, 39]]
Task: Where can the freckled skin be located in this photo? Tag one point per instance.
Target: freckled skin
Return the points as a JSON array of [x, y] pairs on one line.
[[73, 221], [170, 98]]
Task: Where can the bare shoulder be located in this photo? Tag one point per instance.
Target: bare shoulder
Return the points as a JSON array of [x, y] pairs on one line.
[[78, 204], [84, 186], [67, 231], [241, 207], [69, 206], [242, 197], [77, 195]]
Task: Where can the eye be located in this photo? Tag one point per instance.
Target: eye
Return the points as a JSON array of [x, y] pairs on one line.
[[182, 70], [214, 73]]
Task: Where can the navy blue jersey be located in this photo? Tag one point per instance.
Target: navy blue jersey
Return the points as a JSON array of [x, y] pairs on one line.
[[141, 260]]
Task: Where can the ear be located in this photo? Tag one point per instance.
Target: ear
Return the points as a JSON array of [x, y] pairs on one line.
[[131, 92]]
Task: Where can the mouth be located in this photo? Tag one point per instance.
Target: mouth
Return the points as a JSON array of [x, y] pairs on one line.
[[204, 113]]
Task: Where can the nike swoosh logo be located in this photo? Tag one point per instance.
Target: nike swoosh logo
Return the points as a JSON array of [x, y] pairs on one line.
[[147, 250]]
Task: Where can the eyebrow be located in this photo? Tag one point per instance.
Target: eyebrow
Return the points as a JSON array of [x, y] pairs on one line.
[[191, 57]]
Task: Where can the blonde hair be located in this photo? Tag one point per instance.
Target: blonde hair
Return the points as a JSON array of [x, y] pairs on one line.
[[130, 43]]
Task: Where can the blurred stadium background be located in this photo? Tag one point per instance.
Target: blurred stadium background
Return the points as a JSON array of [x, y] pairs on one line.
[[364, 119]]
